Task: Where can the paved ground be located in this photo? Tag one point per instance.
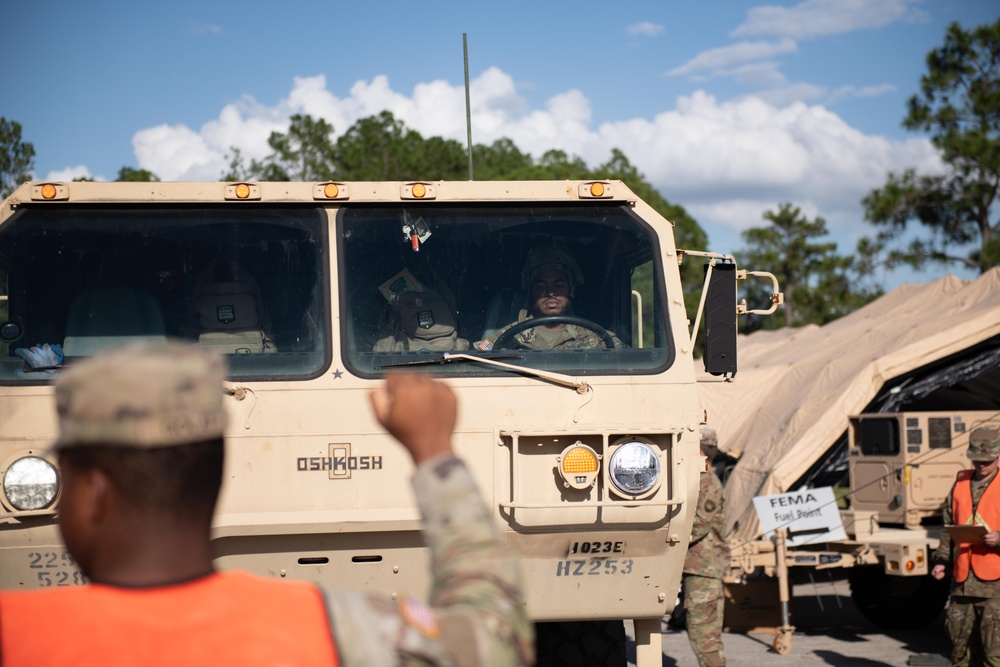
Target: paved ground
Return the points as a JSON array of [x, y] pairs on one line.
[[829, 631]]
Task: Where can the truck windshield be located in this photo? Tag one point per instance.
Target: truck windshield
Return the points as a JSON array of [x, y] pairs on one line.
[[248, 282], [420, 281]]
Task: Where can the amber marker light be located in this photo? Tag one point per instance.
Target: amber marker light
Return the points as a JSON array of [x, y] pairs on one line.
[[331, 190], [419, 190], [242, 190], [578, 466], [597, 189], [910, 566], [48, 191]]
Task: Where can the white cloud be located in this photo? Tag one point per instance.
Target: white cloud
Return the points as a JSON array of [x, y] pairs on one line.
[[726, 162], [177, 153], [815, 18], [714, 60], [202, 29], [645, 29], [863, 91]]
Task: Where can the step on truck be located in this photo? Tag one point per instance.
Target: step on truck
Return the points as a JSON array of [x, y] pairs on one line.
[[586, 452]]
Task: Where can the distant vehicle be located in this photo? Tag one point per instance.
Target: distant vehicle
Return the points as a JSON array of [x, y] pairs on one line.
[[588, 457], [901, 468]]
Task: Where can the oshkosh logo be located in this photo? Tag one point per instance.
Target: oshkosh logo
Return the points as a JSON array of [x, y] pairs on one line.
[[340, 464]]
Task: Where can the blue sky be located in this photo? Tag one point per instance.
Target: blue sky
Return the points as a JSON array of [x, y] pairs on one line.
[[728, 107]]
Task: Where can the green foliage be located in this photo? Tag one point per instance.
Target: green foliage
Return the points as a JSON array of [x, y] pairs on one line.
[[305, 153], [130, 174], [959, 106], [381, 148], [819, 284], [17, 158]]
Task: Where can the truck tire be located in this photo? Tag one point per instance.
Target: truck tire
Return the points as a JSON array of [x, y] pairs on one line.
[[896, 603], [581, 644]]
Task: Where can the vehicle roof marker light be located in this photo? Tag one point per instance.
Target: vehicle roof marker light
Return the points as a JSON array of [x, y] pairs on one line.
[[48, 191], [419, 190], [242, 190], [331, 190], [597, 189]]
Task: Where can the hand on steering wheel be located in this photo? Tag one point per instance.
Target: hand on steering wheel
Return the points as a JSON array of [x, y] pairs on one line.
[[508, 336]]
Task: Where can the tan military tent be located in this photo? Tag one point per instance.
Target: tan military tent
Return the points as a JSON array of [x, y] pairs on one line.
[[796, 388]]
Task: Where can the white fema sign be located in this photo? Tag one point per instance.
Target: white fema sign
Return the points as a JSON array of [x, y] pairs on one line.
[[811, 516]]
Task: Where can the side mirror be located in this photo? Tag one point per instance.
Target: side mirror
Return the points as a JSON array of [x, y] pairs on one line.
[[720, 320]]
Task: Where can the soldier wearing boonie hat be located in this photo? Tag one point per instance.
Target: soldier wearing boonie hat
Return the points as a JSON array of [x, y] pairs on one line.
[[973, 615], [142, 396], [141, 455]]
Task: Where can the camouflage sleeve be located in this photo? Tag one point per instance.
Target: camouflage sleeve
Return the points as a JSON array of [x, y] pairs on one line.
[[709, 507], [476, 614]]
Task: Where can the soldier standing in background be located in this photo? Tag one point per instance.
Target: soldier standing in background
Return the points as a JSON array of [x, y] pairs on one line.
[[705, 564], [141, 453], [973, 617]]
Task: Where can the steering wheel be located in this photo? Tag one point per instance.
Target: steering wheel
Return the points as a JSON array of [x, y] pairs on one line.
[[507, 336]]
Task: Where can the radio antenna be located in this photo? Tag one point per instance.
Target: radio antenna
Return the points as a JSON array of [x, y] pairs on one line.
[[468, 106]]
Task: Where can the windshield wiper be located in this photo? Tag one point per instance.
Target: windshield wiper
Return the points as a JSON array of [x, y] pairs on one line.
[[449, 357]]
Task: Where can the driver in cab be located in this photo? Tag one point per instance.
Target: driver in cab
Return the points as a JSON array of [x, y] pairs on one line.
[[550, 277]]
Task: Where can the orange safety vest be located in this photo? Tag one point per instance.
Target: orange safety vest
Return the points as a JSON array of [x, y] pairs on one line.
[[226, 618], [981, 559]]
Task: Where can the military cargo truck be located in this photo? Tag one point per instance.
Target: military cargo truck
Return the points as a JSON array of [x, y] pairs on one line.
[[587, 453], [901, 469]]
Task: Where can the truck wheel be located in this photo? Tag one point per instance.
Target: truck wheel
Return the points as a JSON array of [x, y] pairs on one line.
[[895, 603], [581, 644]]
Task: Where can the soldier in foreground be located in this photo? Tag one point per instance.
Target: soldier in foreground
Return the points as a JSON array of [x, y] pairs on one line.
[[141, 451], [973, 617], [705, 565]]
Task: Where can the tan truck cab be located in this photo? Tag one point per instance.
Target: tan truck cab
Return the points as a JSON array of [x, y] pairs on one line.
[[587, 453]]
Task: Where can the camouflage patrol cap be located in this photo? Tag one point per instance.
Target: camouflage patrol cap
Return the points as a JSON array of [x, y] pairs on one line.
[[709, 438], [144, 395], [984, 444], [548, 257]]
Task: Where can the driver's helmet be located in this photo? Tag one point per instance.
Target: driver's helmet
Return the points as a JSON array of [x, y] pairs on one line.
[[550, 258]]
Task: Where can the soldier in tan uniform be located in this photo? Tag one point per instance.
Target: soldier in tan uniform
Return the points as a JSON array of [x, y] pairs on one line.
[[141, 453], [550, 277], [973, 616], [705, 564]]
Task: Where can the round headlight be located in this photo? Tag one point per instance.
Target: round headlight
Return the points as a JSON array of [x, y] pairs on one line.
[[634, 468], [30, 483]]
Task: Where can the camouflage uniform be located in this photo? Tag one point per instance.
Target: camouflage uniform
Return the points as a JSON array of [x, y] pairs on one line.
[[570, 337], [974, 603], [706, 563], [477, 616]]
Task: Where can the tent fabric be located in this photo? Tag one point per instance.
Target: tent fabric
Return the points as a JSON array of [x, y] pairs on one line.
[[796, 388]]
